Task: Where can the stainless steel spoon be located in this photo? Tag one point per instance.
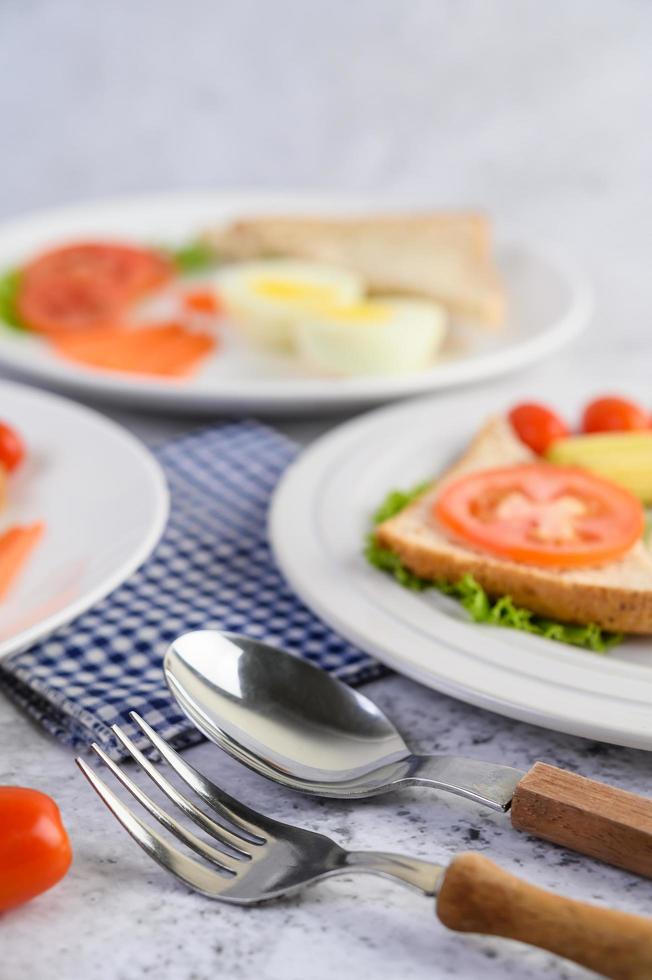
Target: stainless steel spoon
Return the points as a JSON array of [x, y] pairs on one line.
[[298, 725]]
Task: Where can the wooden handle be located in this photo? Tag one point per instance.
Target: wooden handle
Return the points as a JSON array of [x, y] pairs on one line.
[[478, 896], [587, 816]]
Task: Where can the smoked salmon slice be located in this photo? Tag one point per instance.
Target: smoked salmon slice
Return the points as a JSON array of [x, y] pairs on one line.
[[16, 545], [168, 350]]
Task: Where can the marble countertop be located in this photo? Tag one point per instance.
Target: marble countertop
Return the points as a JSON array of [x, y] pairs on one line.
[[118, 917], [537, 112]]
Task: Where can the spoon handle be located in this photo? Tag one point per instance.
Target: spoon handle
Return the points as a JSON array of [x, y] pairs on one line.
[[587, 816], [478, 896], [482, 782]]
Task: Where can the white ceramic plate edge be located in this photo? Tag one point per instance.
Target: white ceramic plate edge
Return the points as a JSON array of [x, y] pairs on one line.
[[28, 637], [312, 574], [294, 396]]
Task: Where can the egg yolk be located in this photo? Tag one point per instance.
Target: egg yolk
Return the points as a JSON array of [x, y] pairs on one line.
[[358, 313], [320, 298], [287, 291]]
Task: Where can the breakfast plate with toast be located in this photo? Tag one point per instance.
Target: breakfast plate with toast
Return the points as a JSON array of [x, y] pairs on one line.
[[494, 549], [274, 302]]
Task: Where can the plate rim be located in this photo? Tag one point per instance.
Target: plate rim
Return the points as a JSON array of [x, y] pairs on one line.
[[26, 638], [271, 395], [294, 496]]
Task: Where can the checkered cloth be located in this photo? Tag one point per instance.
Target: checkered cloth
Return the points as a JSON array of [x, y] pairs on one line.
[[212, 568]]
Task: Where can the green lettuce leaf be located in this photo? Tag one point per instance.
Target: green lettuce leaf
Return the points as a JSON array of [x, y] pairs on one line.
[[481, 609], [9, 285], [195, 256]]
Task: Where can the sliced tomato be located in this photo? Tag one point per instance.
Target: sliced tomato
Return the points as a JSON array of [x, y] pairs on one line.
[[537, 425], [86, 285], [541, 514], [56, 306], [614, 415]]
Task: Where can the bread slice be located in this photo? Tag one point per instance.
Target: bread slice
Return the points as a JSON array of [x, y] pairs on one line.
[[444, 256], [616, 596]]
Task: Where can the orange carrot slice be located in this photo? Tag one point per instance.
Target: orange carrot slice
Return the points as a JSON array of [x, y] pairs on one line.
[[16, 545], [164, 349], [202, 301]]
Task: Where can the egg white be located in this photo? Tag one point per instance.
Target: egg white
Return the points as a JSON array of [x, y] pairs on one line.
[[268, 298], [384, 336]]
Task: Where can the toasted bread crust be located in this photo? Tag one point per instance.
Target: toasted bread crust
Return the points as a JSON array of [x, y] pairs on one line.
[[622, 610], [445, 255], [617, 596]]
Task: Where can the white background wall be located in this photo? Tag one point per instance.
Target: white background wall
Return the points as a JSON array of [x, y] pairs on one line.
[[541, 112]]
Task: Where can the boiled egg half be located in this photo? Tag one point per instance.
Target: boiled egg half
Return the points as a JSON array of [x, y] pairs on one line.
[[372, 337], [268, 298]]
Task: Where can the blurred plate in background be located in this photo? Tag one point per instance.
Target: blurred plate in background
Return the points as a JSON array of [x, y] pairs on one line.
[[548, 305]]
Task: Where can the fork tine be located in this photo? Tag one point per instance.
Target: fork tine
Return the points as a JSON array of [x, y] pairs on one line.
[[223, 861], [233, 840], [237, 813], [191, 873]]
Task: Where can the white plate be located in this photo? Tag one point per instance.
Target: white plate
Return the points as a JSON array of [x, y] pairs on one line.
[[319, 517], [104, 501], [548, 306]]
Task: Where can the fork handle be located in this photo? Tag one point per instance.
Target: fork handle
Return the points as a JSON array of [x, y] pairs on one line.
[[478, 896], [425, 876]]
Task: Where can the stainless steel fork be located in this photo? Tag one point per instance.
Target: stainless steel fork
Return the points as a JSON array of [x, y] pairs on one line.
[[255, 858]]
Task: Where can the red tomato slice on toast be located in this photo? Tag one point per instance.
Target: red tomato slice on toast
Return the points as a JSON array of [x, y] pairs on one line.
[[540, 514]]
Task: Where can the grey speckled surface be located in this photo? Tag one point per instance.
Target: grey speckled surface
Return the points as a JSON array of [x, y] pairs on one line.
[[118, 916], [538, 112]]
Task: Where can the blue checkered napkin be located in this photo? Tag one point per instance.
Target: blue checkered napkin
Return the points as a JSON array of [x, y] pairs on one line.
[[212, 568]]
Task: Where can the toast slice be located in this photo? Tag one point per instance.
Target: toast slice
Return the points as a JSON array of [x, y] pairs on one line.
[[444, 256], [616, 596]]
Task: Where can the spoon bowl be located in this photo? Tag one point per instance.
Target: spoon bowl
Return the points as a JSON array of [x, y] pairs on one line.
[[291, 721]]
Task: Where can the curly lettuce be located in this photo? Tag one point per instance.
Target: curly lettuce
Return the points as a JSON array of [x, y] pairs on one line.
[[481, 609], [193, 257], [9, 286]]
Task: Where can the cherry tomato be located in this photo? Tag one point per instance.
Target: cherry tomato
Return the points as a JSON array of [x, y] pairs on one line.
[[542, 515], [614, 415], [202, 301], [86, 285], [34, 847], [12, 447], [537, 426]]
